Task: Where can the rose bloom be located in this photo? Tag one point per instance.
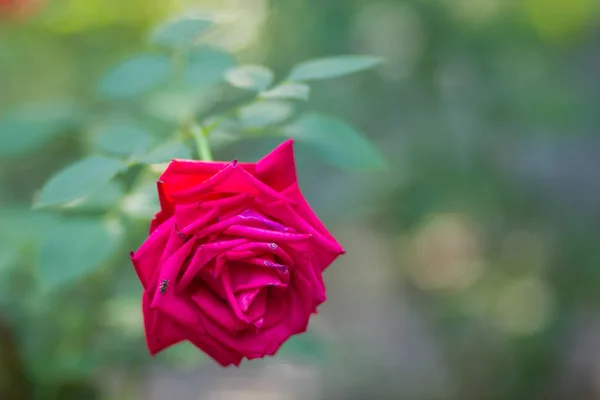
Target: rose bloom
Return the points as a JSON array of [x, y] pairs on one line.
[[234, 260]]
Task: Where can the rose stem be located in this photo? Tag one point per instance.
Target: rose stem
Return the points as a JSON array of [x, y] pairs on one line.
[[201, 143]]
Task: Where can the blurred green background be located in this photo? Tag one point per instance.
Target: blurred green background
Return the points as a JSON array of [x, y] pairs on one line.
[[473, 269]]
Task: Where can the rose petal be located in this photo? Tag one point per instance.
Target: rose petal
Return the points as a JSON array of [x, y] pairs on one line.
[[179, 175], [264, 341], [160, 333], [245, 298], [217, 310], [253, 249], [231, 180], [216, 350], [230, 295], [189, 224], [203, 255], [252, 215], [278, 168], [277, 306], [232, 200], [146, 259], [301, 285], [193, 216], [255, 305], [263, 262], [212, 282], [312, 273], [159, 218], [265, 235], [285, 212], [186, 314], [218, 227], [169, 270], [322, 250], [246, 276]]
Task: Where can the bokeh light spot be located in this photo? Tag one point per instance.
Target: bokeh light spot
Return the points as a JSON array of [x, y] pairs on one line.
[[445, 253], [524, 307]]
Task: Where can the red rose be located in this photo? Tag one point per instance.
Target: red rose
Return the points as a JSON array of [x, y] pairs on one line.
[[234, 259]]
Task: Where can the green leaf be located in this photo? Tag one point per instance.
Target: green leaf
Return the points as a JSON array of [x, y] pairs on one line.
[[332, 67], [19, 232], [135, 76], [30, 128], [288, 91], [335, 142], [264, 114], [250, 77], [165, 153], [78, 180], [101, 199], [122, 138], [180, 32], [22, 226], [178, 104], [207, 66], [74, 248]]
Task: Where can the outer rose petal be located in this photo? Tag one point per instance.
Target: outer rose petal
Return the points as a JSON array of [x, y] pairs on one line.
[[187, 315], [160, 332], [278, 168], [181, 175], [146, 259], [303, 208]]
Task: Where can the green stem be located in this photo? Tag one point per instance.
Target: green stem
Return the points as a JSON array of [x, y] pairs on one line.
[[201, 139]]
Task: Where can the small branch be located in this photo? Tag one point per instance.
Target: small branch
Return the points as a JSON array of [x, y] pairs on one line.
[[14, 382], [201, 139]]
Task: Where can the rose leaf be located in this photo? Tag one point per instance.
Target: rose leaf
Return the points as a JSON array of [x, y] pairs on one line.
[[289, 90], [78, 180], [135, 76], [335, 142], [250, 77], [179, 33], [332, 67], [72, 249]]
